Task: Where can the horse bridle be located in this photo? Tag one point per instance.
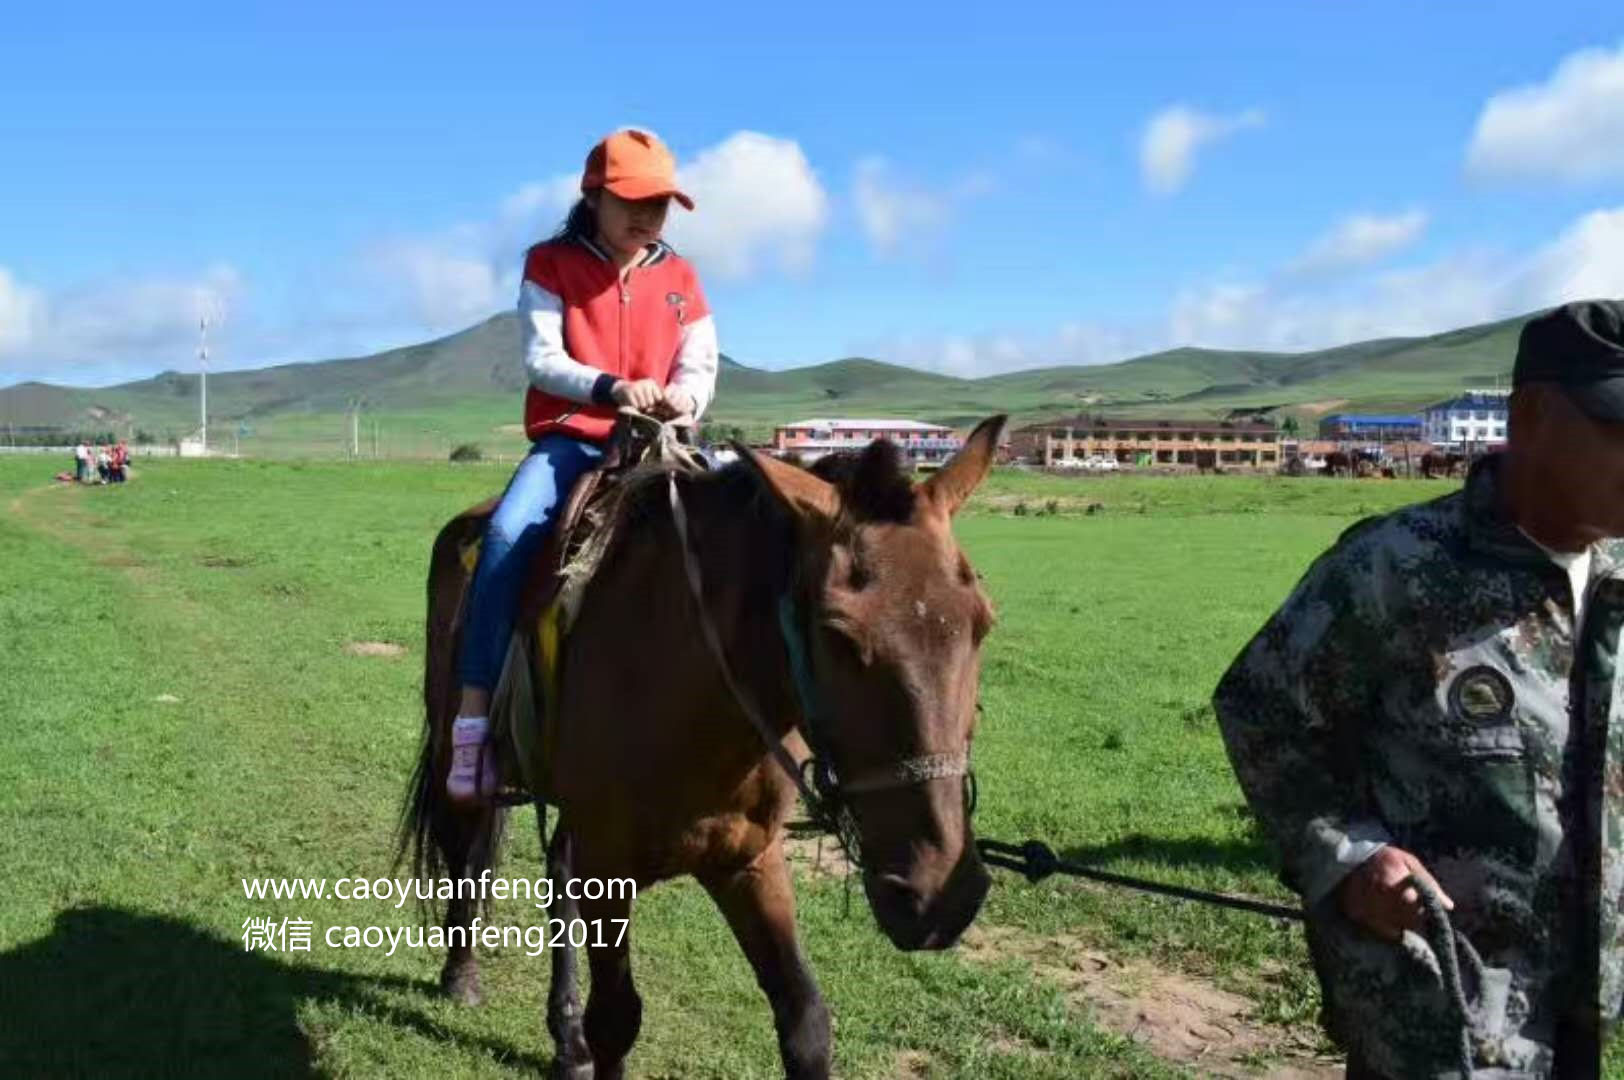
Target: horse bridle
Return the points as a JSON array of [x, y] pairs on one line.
[[826, 795]]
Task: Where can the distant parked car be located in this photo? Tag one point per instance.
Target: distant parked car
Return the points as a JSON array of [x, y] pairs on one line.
[[1101, 464]]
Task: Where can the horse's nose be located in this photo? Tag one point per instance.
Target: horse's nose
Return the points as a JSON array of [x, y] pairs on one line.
[[894, 891], [899, 909]]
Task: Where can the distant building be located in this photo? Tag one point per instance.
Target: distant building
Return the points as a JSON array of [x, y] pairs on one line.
[[1365, 427], [924, 446], [1145, 441], [1477, 416]]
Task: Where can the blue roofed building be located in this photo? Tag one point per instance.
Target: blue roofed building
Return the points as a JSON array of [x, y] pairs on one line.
[[1370, 427], [1475, 417]]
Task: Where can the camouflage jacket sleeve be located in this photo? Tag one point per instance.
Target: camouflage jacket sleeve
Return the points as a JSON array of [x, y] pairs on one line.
[[1291, 708]]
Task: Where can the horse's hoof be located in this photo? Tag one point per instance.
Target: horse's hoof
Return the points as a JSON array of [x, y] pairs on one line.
[[562, 1070], [463, 988]]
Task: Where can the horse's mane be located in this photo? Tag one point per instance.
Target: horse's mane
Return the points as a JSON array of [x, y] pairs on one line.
[[640, 507], [872, 483]]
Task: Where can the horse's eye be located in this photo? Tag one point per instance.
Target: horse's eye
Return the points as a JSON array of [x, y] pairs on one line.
[[981, 624], [849, 639]]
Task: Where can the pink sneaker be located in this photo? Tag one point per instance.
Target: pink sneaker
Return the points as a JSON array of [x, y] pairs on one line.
[[473, 776]]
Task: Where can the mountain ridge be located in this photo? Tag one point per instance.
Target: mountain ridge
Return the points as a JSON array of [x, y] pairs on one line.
[[471, 374]]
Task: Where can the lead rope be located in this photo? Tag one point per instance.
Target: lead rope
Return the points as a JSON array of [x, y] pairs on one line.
[[1442, 937]]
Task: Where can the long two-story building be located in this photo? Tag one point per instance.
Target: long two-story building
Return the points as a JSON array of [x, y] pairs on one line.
[[1151, 442]]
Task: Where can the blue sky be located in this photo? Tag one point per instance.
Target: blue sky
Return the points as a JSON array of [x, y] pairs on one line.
[[970, 190]]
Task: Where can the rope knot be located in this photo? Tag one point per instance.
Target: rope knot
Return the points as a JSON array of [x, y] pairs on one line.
[[1040, 859]]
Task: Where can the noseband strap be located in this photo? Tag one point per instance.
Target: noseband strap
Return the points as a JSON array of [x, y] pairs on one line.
[[909, 772]]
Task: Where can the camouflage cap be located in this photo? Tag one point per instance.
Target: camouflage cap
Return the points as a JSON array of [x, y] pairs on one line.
[[1580, 346]]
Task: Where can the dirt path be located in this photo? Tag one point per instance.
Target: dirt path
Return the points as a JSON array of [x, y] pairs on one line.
[[1181, 1019]]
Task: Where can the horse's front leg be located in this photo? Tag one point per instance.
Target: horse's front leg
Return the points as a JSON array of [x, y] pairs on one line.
[[759, 904], [614, 1011]]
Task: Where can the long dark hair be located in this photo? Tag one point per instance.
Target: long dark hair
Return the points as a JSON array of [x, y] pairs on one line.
[[581, 223]]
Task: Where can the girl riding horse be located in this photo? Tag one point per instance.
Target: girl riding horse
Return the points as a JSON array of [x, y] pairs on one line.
[[610, 317]]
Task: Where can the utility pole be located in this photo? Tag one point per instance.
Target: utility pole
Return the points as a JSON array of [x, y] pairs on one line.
[[203, 380]]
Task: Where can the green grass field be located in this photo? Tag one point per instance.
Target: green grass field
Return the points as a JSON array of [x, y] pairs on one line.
[[182, 713]]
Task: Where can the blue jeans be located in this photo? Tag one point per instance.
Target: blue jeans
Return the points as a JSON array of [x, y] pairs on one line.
[[518, 526]]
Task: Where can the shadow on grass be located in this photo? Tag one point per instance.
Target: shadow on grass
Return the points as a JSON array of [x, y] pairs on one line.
[[122, 993], [1240, 856]]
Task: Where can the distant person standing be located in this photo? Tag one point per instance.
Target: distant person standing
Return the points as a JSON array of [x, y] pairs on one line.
[[1439, 707], [81, 462], [611, 316]]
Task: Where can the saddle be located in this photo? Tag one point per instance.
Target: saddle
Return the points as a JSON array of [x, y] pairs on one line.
[[525, 701]]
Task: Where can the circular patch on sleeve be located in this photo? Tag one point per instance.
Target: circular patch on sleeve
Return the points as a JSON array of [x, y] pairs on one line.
[[1481, 695]]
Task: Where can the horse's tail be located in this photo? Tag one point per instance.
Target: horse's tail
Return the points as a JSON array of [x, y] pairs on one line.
[[440, 838]]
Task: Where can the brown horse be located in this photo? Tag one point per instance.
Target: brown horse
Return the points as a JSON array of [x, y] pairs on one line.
[[1438, 464], [658, 769]]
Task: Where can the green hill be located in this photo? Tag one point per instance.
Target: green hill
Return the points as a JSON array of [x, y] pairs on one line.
[[465, 387]]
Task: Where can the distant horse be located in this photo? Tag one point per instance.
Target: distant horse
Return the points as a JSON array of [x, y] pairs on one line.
[[844, 612], [1435, 464], [1359, 463], [1338, 463]]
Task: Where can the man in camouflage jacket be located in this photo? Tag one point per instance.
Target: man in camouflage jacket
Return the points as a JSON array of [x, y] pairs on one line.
[[1438, 700]]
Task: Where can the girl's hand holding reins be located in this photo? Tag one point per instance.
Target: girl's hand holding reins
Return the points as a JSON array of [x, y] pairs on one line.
[[679, 401], [642, 394]]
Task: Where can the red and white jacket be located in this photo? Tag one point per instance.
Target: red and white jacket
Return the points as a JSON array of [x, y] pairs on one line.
[[583, 327]]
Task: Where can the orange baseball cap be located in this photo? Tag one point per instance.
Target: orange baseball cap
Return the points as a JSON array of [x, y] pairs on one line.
[[634, 165]]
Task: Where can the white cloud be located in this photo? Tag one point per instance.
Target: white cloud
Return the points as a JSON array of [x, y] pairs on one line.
[[1289, 311], [98, 329], [758, 202], [1457, 291], [974, 356], [1360, 239], [446, 287], [761, 207], [1168, 147], [1585, 261], [890, 210], [1570, 127], [894, 211], [22, 309], [541, 197]]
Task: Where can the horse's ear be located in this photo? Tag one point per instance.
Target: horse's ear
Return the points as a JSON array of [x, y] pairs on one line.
[[802, 494], [950, 486]]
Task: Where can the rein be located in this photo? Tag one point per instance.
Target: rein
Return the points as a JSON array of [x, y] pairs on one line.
[[826, 795]]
